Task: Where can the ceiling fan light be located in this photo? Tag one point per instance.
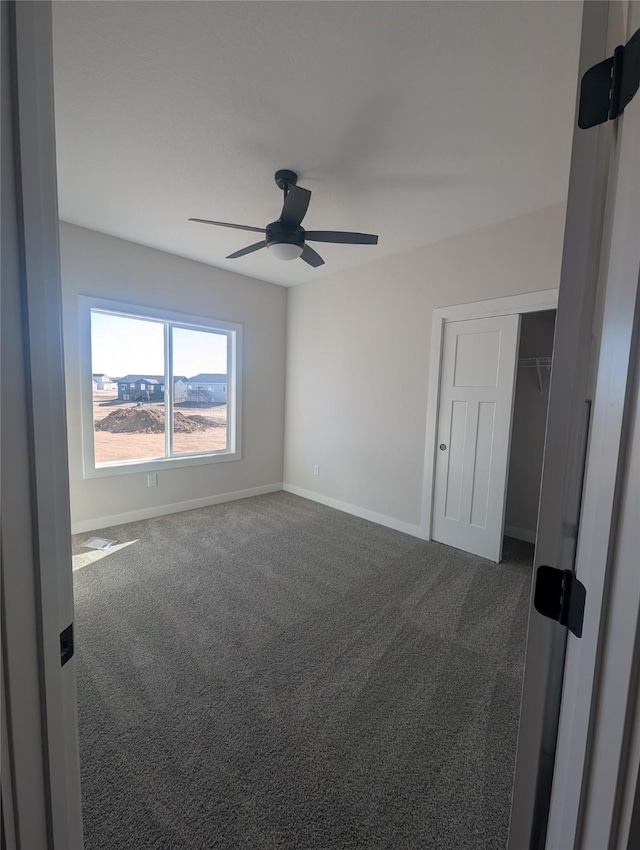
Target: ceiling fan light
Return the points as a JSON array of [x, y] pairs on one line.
[[285, 250]]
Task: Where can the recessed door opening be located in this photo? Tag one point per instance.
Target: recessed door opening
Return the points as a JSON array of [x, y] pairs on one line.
[[528, 427]]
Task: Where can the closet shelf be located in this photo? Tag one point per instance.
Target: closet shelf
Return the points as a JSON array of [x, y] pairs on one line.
[[535, 362], [538, 363]]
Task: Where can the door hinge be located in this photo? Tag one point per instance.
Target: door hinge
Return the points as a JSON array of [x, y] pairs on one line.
[[66, 644], [560, 596], [609, 86]]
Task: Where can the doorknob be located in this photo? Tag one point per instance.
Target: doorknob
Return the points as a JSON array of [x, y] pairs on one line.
[[442, 447]]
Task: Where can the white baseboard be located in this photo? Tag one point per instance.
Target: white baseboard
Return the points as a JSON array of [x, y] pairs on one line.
[[174, 508], [520, 533], [355, 510]]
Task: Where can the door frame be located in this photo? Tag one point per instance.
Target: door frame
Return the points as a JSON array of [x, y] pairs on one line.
[[546, 689], [598, 751], [42, 773], [528, 302]]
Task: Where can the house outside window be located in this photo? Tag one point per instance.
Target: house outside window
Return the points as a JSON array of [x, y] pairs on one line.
[[156, 350]]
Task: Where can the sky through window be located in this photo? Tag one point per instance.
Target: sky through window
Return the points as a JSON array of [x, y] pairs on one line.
[[122, 345]]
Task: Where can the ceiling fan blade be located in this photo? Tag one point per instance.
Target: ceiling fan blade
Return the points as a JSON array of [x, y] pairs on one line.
[[312, 257], [341, 236], [248, 250], [226, 224], [295, 206]]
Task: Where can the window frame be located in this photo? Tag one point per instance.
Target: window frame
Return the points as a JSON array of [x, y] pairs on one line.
[[233, 332]]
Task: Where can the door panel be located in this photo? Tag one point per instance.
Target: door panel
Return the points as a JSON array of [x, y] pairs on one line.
[[474, 428], [482, 469], [453, 481], [477, 356]]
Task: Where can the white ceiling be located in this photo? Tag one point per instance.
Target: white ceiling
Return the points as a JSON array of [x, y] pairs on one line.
[[413, 120]]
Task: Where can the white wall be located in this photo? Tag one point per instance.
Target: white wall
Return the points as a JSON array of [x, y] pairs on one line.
[[96, 264], [529, 427], [358, 359]]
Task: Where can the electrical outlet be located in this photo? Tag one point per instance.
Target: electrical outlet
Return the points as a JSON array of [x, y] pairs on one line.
[[152, 479], [316, 469]]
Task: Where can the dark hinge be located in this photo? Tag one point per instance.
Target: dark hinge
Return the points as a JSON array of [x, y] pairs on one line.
[[66, 644], [561, 597], [609, 86]]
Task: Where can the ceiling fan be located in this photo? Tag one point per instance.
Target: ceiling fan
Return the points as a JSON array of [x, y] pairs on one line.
[[285, 238]]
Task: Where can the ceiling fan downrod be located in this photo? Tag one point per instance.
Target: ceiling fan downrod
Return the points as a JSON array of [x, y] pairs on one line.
[[285, 179]]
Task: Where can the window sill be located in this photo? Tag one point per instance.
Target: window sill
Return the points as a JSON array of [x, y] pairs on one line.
[[157, 464]]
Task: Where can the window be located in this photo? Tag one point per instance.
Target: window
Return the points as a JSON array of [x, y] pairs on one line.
[[149, 428]]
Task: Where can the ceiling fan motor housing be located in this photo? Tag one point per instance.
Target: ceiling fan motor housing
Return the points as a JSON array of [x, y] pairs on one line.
[[277, 233]]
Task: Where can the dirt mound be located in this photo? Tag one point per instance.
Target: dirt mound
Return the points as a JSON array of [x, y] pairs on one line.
[[186, 424], [148, 420], [135, 420]]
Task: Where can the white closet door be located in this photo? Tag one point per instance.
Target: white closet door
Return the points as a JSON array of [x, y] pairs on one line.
[[474, 432]]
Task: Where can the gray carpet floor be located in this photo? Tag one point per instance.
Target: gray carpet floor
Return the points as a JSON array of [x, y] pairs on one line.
[[272, 673]]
